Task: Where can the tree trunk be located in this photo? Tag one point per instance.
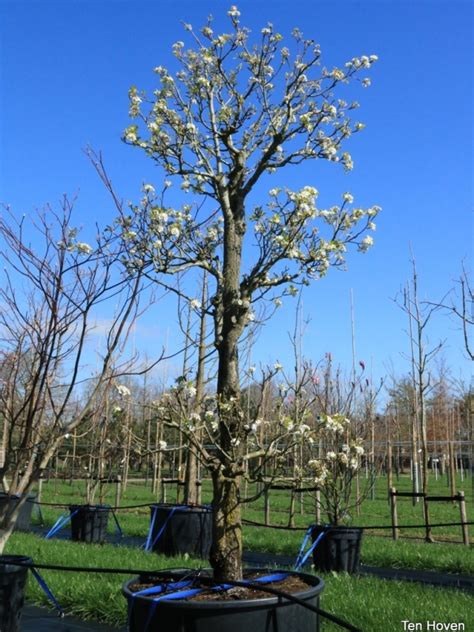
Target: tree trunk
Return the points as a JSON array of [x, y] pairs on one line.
[[191, 493], [226, 551]]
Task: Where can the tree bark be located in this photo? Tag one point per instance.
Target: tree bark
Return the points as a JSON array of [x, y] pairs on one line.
[[226, 551]]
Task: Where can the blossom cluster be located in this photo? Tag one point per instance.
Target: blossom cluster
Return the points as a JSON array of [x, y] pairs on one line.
[[215, 94]]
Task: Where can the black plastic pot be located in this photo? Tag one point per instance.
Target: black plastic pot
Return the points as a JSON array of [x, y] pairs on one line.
[[184, 529], [338, 549], [23, 521], [12, 591], [89, 523], [270, 614]]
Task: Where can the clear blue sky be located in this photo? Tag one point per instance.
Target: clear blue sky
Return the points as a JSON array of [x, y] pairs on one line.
[[66, 68]]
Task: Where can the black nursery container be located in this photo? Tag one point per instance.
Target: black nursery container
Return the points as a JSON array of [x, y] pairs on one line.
[[12, 591], [23, 521], [270, 614], [184, 529], [338, 549], [89, 523]]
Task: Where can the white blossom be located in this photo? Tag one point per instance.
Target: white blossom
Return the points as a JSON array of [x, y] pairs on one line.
[[347, 197], [233, 12], [123, 390], [83, 248]]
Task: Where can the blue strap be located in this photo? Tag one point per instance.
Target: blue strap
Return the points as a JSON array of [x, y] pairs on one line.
[[266, 579], [41, 581], [60, 523], [183, 594], [302, 557], [299, 557], [117, 525], [150, 530], [149, 546], [162, 588]]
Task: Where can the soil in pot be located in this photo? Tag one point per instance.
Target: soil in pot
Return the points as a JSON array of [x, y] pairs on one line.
[[89, 523], [338, 549], [233, 611], [23, 521], [181, 529], [12, 591]]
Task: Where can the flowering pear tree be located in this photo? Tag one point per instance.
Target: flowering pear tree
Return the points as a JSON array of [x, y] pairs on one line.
[[239, 109], [335, 471]]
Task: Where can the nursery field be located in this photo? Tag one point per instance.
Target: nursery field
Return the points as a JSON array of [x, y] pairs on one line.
[[378, 549], [367, 602]]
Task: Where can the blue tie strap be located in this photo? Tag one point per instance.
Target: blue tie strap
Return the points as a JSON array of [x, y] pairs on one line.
[[60, 523], [42, 582], [302, 557], [149, 544], [174, 590]]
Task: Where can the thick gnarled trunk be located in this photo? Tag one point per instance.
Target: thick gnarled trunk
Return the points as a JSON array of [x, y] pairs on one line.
[[226, 551]]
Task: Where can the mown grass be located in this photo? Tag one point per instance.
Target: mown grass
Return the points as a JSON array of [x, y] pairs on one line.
[[378, 549], [372, 604]]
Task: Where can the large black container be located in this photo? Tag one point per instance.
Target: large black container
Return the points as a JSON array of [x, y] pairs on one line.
[[184, 529], [270, 614], [89, 522], [23, 521], [12, 591], [338, 549]]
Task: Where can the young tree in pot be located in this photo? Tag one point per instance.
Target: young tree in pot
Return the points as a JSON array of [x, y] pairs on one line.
[[236, 112], [334, 472]]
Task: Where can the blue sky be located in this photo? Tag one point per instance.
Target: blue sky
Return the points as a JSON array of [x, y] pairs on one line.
[[66, 68]]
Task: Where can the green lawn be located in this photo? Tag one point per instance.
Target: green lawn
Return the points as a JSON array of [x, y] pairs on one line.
[[372, 604], [378, 549]]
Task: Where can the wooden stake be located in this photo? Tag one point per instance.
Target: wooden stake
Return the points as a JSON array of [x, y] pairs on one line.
[[452, 470], [393, 510], [267, 506], [291, 519], [318, 506], [462, 509], [389, 467], [118, 490]]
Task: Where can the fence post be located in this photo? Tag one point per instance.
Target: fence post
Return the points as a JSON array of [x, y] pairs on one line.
[[266, 497], [452, 470], [389, 466], [462, 509], [118, 490], [393, 511], [318, 506], [291, 519], [426, 514], [163, 491]]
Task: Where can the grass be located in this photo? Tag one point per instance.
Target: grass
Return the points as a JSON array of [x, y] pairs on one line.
[[371, 604], [378, 549]]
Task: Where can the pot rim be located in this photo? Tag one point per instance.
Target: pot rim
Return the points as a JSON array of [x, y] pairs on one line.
[[190, 508], [264, 602], [336, 528], [90, 507]]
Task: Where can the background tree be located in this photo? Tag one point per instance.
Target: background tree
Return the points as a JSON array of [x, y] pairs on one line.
[[49, 304], [236, 111]]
